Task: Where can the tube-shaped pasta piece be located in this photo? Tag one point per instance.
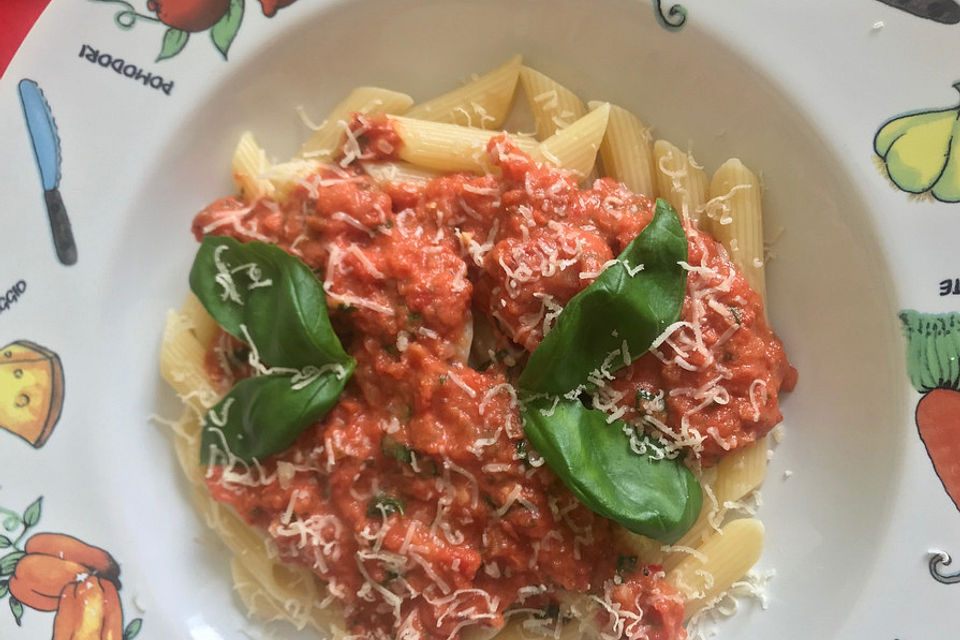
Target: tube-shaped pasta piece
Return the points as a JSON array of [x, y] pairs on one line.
[[253, 595], [204, 326], [575, 147], [330, 134], [741, 472], [647, 550], [723, 559], [516, 629], [652, 552], [554, 107], [449, 147], [181, 363], [483, 102], [736, 475], [396, 172], [249, 163], [187, 447], [680, 180], [627, 151], [736, 219], [280, 591]]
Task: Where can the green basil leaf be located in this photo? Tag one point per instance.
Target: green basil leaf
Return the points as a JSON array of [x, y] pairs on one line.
[[286, 319], [656, 498], [8, 563], [31, 516], [5, 542], [133, 629], [263, 415], [615, 307], [4, 588]]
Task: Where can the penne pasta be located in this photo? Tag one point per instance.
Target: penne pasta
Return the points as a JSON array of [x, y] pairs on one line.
[[181, 364], [741, 472], [554, 107], [204, 327], [680, 180], [328, 137], [669, 556], [483, 103], [251, 591], [187, 445], [575, 147], [723, 559], [527, 629], [736, 220], [735, 477], [397, 172], [627, 151], [249, 163], [450, 147]]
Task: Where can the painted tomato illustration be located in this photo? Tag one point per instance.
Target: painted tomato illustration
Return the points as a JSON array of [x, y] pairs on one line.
[[189, 15], [270, 6], [183, 18]]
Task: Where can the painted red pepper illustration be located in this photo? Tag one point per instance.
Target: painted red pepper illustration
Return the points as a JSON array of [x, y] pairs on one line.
[[89, 609], [57, 572], [96, 560], [39, 579]]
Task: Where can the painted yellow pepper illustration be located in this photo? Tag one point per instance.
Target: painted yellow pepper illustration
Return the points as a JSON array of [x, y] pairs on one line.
[[921, 152]]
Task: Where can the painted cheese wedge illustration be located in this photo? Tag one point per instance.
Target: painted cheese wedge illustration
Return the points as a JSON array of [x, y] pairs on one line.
[[31, 391]]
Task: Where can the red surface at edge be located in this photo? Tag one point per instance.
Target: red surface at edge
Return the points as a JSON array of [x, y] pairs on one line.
[[16, 18]]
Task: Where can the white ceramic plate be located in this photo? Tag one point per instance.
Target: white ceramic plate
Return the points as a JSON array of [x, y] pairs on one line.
[[797, 89]]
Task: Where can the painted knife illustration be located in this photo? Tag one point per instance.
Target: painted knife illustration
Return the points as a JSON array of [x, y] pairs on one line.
[[46, 148], [944, 11]]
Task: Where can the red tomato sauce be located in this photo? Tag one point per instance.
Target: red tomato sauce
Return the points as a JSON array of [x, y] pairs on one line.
[[417, 499]]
